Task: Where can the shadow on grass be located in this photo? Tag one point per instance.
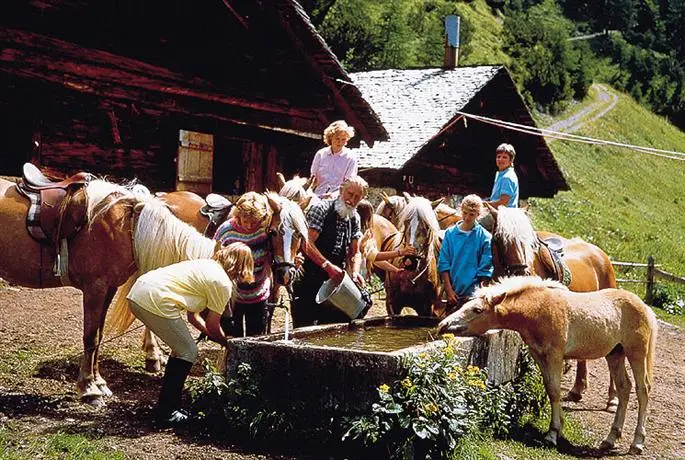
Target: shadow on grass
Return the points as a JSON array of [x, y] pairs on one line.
[[531, 436]]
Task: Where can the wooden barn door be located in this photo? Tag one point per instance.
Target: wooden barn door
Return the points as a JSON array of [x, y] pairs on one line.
[[195, 159]]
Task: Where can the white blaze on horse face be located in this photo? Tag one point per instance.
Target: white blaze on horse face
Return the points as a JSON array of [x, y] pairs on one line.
[[413, 227], [288, 235]]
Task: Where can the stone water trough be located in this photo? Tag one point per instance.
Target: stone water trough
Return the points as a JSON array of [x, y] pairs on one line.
[[338, 368]]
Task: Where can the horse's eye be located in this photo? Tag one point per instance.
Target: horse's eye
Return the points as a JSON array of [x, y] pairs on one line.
[[477, 310]]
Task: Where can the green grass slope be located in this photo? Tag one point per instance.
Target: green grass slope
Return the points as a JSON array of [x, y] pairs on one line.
[[482, 37], [629, 203]]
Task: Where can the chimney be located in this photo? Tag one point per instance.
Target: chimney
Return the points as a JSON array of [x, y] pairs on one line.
[[451, 42]]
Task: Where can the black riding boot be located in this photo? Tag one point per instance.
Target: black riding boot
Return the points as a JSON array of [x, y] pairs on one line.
[[169, 411]]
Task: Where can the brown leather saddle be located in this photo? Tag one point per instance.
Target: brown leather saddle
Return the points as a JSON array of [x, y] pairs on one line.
[[553, 260], [48, 219], [216, 210]]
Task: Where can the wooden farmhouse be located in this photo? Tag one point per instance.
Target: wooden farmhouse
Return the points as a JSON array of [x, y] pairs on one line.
[[434, 150], [209, 95]]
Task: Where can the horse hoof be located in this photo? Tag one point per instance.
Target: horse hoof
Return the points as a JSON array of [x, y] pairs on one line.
[[550, 440], [612, 405], [606, 445], [573, 397], [96, 401], [152, 365], [636, 449], [106, 392]]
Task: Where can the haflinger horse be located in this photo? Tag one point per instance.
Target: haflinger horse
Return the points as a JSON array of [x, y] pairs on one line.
[[287, 229], [392, 206], [518, 250], [418, 285], [118, 232], [556, 324]]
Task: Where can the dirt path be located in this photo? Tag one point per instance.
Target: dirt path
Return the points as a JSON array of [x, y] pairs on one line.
[[606, 101], [40, 344]]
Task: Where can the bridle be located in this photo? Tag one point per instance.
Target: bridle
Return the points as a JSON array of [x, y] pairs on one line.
[[518, 269]]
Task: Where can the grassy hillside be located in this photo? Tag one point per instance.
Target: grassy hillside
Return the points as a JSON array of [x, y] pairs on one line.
[[482, 43], [628, 203]]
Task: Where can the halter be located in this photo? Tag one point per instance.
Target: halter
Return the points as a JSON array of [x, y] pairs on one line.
[[511, 269], [276, 264]]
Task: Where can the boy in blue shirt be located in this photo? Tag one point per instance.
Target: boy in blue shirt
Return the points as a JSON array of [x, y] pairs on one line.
[[505, 190], [465, 259]]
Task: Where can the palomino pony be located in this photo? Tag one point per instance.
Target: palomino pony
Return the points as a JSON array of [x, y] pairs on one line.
[[392, 206], [287, 229], [418, 285], [518, 250], [556, 324], [112, 241]]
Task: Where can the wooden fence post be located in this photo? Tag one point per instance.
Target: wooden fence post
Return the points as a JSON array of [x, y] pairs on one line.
[[649, 295]]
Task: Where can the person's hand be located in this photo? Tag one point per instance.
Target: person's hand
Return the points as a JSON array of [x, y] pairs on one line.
[[334, 272], [407, 251], [299, 260], [359, 279], [452, 298]]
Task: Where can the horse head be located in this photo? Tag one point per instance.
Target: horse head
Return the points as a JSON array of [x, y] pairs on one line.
[[418, 227], [391, 207], [287, 230], [298, 189], [514, 242]]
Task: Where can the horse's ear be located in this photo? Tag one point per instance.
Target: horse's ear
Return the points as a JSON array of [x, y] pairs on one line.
[[386, 198], [309, 183], [281, 180], [496, 303], [275, 205], [304, 203], [407, 196], [436, 203]]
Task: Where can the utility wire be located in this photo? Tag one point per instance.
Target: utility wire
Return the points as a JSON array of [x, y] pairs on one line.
[[670, 154]]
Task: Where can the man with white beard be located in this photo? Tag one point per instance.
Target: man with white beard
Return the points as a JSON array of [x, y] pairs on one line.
[[334, 233]]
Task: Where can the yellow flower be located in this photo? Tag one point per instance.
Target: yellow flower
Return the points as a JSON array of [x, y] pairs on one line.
[[406, 383], [477, 383], [430, 408], [473, 369], [447, 337], [384, 388], [423, 355], [452, 376]]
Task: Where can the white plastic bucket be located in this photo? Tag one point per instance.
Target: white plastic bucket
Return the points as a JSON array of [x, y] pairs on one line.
[[345, 296]]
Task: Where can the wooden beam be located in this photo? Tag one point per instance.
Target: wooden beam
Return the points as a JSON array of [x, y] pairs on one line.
[[90, 71]]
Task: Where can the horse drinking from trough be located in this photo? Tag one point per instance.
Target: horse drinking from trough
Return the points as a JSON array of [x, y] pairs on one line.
[[99, 226], [556, 324], [518, 250]]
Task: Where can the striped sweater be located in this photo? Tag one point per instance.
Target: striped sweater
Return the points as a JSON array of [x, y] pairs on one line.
[[230, 232]]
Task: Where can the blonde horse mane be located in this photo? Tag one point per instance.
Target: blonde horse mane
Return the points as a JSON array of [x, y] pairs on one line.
[[513, 285], [513, 225], [160, 239], [396, 201], [421, 208], [291, 214]]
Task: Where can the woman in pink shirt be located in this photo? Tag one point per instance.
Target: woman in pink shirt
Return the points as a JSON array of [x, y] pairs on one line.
[[334, 164]]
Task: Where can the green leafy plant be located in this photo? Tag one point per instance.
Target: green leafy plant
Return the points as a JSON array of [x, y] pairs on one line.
[[669, 298], [440, 402]]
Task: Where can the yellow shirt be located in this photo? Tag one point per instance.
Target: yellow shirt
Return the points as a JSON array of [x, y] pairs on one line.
[[188, 286]]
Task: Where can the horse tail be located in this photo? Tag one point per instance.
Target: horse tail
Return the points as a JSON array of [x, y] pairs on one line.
[[121, 317]]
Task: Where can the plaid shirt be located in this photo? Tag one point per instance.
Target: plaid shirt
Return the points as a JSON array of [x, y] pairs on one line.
[[346, 230]]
